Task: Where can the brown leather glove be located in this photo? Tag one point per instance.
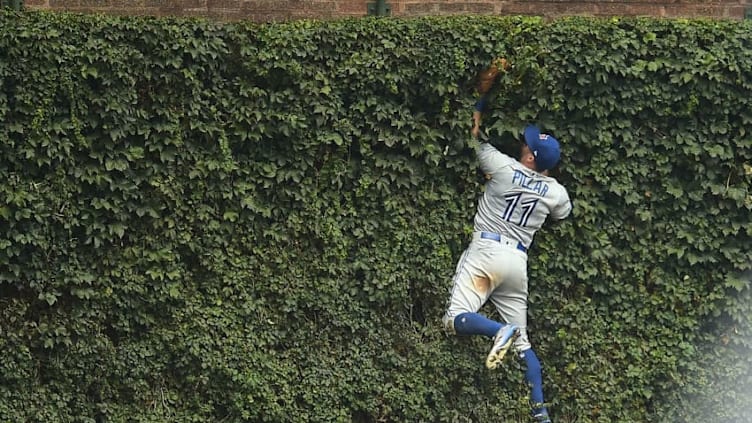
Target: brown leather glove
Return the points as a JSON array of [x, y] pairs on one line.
[[487, 77]]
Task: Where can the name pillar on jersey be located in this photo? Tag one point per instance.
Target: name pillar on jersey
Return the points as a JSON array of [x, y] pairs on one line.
[[519, 178]]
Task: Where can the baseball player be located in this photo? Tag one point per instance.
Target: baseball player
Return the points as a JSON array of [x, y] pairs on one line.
[[519, 196]]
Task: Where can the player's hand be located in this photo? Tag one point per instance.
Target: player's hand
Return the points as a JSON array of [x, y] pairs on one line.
[[475, 131], [476, 124]]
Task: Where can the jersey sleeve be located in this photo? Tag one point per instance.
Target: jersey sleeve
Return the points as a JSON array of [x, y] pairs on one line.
[[563, 206], [491, 159]]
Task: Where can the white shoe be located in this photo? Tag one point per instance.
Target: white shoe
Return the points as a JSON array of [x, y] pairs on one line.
[[542, 418], [502, 341]]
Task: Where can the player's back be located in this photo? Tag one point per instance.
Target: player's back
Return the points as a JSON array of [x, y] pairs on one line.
[[517, 200]]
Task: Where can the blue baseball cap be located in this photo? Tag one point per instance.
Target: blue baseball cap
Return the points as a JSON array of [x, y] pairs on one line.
[[545, 148]]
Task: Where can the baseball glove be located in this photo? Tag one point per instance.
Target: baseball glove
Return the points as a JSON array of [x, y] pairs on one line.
[[487, 77]]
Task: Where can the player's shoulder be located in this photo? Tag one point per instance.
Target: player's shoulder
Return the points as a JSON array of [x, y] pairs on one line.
[[487, 151], [555, 184]]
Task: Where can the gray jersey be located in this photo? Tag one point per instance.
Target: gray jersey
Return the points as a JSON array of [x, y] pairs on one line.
[[517, 200]]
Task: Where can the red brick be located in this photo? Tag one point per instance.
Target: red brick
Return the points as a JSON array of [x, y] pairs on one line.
[[64, 4], [452, 7], [265, 5], [352, 7], [223, 4], [631, 9], [420, 8], [551, 9], [737, 12], [268, 17], [692, 11], [398, 7], [175, 4], [224, 14], [322, 6], [118, 4], [481, 8], [275, 10]]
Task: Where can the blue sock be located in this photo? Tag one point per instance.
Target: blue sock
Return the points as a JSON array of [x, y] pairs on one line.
[[475, 324], [534, 378]]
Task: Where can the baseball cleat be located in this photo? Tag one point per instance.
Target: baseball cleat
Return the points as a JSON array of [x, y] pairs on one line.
[[502, 341]]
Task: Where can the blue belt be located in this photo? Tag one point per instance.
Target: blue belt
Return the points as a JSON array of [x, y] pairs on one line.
[[497, 238]]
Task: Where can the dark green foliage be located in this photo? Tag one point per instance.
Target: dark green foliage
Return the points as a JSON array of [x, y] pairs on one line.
[[239, 222]]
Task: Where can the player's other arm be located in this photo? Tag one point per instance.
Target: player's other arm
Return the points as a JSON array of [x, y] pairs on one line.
[[563, 208], [478, 109]]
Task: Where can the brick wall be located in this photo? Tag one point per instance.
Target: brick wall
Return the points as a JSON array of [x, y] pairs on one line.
[[279, 10]]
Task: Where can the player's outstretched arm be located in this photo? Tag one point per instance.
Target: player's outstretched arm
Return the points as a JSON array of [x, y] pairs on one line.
[[486, 80]]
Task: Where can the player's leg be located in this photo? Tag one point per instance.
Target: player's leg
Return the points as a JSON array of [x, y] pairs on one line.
[[471, 288], [510, 301], [475, 324], [534, 378]]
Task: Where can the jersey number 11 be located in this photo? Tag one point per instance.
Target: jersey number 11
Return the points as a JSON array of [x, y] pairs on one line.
[[514, 203]]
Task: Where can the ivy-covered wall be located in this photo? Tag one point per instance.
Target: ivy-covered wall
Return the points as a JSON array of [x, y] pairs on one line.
[[238, 222]]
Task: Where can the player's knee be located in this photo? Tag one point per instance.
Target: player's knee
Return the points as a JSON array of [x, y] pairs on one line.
[[522, 343]]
